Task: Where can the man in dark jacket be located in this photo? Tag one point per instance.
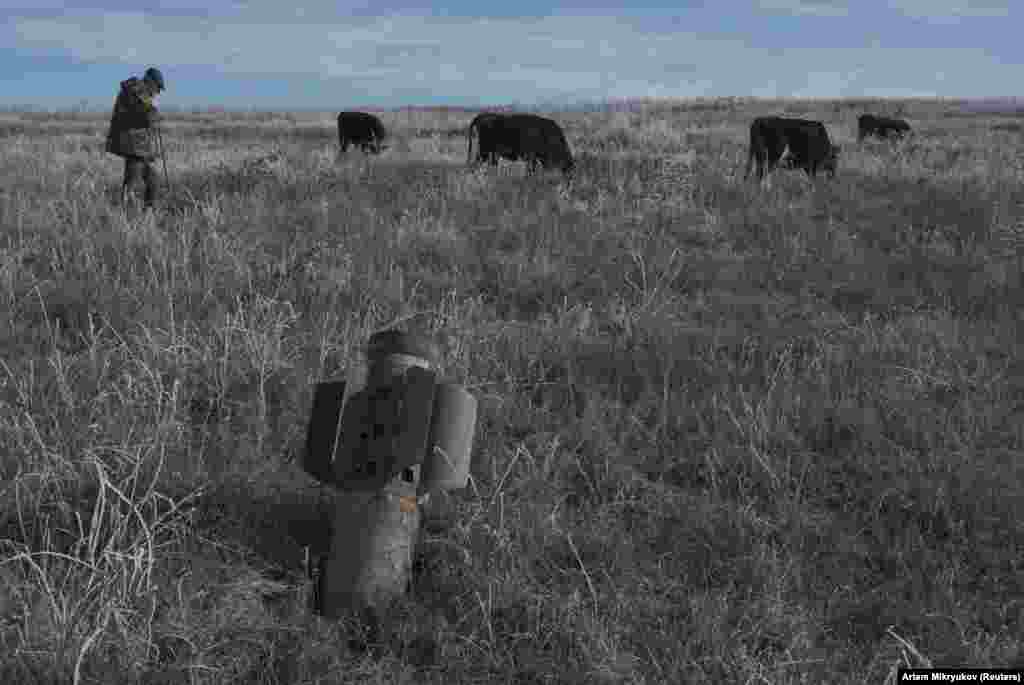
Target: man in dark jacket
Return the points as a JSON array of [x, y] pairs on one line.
[[132, 135]]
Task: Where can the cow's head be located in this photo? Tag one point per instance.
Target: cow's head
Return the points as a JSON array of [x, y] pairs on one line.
[[832, 160], [569, 167], [378, 143]]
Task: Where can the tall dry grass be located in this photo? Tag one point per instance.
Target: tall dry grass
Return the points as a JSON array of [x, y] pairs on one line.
[[727, 433]]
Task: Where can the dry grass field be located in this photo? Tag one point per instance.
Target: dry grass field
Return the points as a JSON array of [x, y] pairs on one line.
[[727, 433]]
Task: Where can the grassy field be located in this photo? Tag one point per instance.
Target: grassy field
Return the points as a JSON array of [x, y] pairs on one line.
[[727, 434]]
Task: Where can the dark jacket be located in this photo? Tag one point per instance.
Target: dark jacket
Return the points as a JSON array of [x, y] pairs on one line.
[[135, 116]]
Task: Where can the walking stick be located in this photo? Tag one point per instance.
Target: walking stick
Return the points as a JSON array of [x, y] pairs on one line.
[[163, 156]]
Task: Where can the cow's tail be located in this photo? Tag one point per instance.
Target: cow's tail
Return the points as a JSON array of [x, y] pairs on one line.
[[469, 142]]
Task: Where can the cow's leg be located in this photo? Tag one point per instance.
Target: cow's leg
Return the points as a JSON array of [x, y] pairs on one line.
[[783, 160]]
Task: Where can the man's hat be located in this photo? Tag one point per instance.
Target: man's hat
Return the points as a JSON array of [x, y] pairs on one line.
[[153, 74]]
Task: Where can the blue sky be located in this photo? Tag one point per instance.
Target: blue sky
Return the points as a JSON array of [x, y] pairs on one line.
[[355, 53]]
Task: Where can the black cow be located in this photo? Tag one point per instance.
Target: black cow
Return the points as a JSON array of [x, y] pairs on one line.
[[536, 140], [881, 127], [801, 143], [362, 129]]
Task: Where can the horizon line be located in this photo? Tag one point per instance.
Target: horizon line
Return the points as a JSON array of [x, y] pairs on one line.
[[87, 106]]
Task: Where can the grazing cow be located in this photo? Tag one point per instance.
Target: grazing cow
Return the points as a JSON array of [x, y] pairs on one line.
[[881, 127], [362, 129], [536, 140], [801, 143], [481, 120]]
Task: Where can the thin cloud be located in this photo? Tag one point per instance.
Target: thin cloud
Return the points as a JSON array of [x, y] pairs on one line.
[[953, 9], [943, 11], [821, 8]]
